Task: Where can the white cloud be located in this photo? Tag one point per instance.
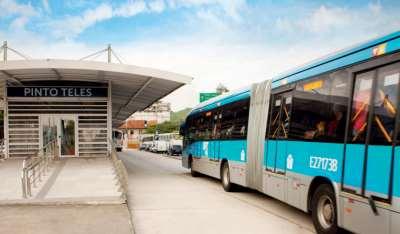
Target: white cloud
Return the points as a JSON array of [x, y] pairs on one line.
[[46, 5], [74, 25], [130, 8], [157, 6], [11, 7], [22, 13], [320, 20], [231, 8], [326, 19], [19, 23], [71, 26]]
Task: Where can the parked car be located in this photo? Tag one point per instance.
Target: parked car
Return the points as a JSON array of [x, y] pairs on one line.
[[117, 139], [175, 150]]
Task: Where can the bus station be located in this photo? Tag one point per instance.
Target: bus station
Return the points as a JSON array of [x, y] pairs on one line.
[[59, 117], [76, 102], [214, 117]]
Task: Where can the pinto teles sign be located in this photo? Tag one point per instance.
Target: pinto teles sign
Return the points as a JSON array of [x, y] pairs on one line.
[[57, 92]]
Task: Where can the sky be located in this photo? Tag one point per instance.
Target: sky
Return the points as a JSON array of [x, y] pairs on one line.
[[232, 42]]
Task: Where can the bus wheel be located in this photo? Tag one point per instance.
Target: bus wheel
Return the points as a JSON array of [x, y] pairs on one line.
[[192, 172], [324, 210], [225, 178]]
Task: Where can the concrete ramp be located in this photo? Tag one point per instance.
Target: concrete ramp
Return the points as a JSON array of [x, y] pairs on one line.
[[69, 181]]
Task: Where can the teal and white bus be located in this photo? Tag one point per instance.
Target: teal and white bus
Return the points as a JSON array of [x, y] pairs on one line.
[[323, 138]]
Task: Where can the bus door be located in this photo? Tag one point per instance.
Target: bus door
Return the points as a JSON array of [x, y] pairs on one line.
[[278, 132], [214, 143], [369, 149]]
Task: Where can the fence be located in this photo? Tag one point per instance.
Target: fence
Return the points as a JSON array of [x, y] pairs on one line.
[[35, 167]]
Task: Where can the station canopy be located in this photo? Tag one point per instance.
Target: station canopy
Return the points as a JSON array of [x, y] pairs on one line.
[[133, 88]]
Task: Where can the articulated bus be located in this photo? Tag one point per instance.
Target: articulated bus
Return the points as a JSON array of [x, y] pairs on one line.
[[323, 138]]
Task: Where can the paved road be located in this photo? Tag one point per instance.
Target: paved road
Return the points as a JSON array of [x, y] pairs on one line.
[[164, 198], [65, 219]]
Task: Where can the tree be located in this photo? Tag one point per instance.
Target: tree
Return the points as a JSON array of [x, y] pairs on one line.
[[221, 89]]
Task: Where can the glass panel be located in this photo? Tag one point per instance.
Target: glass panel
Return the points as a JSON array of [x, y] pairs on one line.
[[275, 116], [49, 129], [319, 108], [285, 117], [385, 105], [360, 106], [234, 120], [67, 135]]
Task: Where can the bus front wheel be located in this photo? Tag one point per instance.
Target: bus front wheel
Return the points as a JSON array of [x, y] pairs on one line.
[[225, 178], [324, 213], [192, 171]]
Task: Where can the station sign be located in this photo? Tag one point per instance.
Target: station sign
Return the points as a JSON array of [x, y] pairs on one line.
[[46, 91]]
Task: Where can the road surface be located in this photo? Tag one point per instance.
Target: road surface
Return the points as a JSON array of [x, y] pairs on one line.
[[164, 198]]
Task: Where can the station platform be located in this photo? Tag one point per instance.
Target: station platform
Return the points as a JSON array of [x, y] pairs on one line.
[[69, 181]]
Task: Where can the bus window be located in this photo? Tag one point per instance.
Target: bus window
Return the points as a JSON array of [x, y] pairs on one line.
[[241, 120], [385, 105], [280, 116], [360, 107], [227, 121], [275, 116]]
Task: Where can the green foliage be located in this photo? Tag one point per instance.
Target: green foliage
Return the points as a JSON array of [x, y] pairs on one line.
[[179, 116], [170, 126]]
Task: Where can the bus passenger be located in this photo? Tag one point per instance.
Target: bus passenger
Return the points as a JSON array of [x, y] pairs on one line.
[[318, 132]]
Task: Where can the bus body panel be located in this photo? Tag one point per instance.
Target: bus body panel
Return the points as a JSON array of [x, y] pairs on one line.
[[233, 150], [353, 170], [396, 177], [291, 166], [270, 151], [378, 171]]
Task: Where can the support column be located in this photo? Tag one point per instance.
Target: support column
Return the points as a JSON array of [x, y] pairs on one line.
[[109, 53], [5, 51]]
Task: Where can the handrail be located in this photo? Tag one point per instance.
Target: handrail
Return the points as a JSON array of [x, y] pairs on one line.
[[2, 156], [34, 167]]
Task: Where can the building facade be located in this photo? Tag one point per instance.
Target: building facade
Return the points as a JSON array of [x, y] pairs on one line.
[[74, 103], [159, 112]]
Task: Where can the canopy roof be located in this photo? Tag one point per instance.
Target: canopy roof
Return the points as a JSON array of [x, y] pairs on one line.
[[133, 88]]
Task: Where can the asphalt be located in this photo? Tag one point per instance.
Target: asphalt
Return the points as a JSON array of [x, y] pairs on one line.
[[164, 198]]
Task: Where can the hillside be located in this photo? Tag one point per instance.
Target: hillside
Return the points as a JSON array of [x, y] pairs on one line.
[[179, 116]]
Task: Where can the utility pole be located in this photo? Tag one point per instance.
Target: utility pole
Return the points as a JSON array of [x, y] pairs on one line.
[[109, 51], [5, 51]]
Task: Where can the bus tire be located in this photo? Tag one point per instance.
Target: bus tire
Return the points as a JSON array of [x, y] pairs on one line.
[[324, 210], [225, 178], [192, 171]]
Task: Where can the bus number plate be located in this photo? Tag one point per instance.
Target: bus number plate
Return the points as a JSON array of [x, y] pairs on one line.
[[327, 164]]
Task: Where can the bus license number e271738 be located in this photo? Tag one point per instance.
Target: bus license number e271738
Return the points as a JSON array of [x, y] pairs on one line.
[[327, 164]]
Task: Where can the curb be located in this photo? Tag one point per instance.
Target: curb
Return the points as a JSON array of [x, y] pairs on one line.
[[58, 202]]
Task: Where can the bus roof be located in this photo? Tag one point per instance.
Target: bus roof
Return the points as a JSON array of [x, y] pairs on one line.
[[356, 54], [222, 100]]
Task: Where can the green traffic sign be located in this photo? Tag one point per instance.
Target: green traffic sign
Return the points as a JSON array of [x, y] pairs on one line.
[[205, 96]]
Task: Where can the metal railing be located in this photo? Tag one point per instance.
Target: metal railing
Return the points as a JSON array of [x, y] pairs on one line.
[[120, 170], [35, 167], [2, 148]]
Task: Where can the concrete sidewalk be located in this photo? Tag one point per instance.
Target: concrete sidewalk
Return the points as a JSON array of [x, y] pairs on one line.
[[10, 179], [69, 181], [82, 179], [66, 219]]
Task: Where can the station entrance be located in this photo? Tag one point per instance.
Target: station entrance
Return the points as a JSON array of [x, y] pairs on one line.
[[61, 129], [76, 117]]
